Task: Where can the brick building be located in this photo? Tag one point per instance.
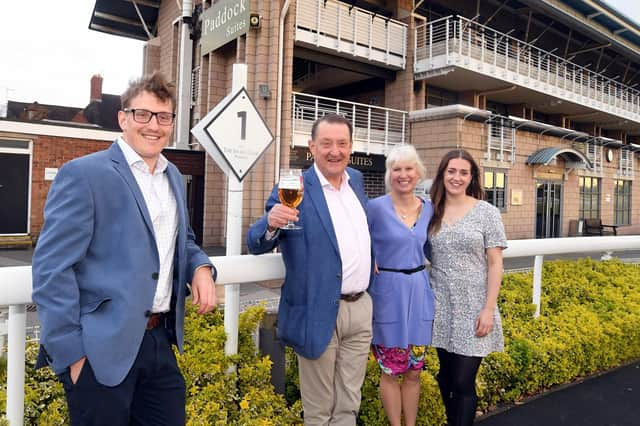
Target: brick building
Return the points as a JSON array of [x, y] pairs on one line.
[[37, 139], [541, 92]]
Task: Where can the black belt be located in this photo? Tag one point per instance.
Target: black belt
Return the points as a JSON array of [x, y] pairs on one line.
[[351, 297], [404, 271]]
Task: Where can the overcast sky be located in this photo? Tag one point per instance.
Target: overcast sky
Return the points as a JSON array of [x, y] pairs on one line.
[[48, 54]]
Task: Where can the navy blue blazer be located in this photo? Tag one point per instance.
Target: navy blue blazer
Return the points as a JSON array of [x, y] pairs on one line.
[[95, 267], [310, 295]]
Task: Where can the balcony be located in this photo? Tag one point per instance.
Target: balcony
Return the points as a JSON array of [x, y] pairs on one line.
[[457, 43], [375, 129], [339, 28]]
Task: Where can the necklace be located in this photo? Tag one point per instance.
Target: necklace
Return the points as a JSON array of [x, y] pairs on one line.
[[404, 215]]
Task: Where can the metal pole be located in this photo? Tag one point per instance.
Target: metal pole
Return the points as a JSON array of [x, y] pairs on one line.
[[537, 283], [15, 364], [184, 78], [234, 235]]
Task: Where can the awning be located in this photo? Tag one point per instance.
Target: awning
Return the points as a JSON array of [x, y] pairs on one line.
[[127, 18], [547, 155]]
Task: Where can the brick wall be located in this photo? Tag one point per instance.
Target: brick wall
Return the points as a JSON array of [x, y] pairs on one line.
[[433, 138], [53, 152]]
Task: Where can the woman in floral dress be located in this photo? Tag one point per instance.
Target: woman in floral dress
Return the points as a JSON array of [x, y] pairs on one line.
[[467, 238], [400, 290]]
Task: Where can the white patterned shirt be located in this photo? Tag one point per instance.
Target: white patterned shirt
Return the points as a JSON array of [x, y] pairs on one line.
[[352, 232], [163, 210]]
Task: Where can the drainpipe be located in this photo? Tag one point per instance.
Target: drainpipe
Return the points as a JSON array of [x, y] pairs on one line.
[[183, 119], [283, 15]]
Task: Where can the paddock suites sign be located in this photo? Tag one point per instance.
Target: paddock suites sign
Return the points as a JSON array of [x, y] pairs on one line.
[[224, 21]]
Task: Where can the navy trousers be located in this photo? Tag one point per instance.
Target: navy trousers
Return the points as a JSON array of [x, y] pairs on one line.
[[153, 393]]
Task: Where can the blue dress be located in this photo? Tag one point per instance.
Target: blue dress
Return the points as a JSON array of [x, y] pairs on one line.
[[403, 304]]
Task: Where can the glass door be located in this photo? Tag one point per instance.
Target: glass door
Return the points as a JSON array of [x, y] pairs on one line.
[[548, 206]]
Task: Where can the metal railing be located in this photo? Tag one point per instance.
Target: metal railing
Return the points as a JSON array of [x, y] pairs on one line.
[[501, 140], [457, 41], [626, 163], [15, 292], [356, 32], [375, 129]]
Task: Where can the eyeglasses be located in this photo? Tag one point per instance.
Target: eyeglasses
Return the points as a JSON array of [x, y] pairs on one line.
[[143, 116]]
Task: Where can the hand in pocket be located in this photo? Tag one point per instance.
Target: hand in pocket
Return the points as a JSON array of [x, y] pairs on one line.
[[76, 368]]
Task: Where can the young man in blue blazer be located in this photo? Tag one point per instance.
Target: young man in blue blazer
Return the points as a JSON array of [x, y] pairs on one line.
[[111, 268], [325, 311]]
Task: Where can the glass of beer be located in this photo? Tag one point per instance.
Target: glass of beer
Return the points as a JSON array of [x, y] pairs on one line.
[[291, 191]]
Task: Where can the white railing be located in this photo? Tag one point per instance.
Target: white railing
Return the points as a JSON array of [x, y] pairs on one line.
[[457, 41], [15, 292], [501, 140], [351, 31], [594, 152], [375, 129], [626, 163]]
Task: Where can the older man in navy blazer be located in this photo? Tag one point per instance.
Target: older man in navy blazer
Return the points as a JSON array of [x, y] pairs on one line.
[[325, 311], [111, 268]]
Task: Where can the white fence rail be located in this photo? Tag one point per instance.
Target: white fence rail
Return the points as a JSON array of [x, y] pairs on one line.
[[458, 41], [15, 292], [351, 31], [375, 129]]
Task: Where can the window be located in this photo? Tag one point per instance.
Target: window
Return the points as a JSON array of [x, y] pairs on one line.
[[622, 202], [440, 97], [495, 188], [589, 197]]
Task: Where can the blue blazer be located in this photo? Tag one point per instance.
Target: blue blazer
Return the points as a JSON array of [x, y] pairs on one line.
[[95, 266], [310, 295]]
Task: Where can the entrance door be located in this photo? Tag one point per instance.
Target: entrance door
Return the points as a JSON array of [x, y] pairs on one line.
[[14, 193], [548, 205]]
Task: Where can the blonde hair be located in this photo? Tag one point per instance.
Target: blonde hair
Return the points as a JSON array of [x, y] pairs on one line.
[[406, 153]]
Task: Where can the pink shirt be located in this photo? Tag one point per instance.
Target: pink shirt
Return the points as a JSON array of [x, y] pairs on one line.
[[352, 232]]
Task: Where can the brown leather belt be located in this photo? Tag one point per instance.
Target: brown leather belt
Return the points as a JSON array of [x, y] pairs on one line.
[[351, 297], [155, 320]]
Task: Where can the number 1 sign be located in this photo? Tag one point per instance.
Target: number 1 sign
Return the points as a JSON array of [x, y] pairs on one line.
[[234, 134]]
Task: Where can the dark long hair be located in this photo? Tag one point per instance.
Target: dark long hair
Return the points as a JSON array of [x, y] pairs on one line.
[[439, 194]]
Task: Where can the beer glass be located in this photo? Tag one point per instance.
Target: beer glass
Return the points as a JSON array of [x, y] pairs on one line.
[[290, 191]]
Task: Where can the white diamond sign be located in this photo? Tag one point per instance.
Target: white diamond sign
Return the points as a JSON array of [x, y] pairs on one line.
[[234, 134]]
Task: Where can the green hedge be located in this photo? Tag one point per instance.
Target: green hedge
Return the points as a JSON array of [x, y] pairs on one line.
[[589, 322], [243, 397]]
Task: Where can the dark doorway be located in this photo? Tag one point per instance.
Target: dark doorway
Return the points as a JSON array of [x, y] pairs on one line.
[[14, 193], [192, 167], [548, 209]]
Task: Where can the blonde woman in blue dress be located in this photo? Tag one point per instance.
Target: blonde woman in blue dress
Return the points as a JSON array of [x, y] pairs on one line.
[[402, 297]]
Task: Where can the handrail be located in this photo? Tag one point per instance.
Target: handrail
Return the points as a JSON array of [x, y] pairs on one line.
[[465, 38], [15, 291], [342, 27], [375, 128]]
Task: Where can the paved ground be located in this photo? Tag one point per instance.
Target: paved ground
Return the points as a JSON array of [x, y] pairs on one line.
[[610, 399]]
